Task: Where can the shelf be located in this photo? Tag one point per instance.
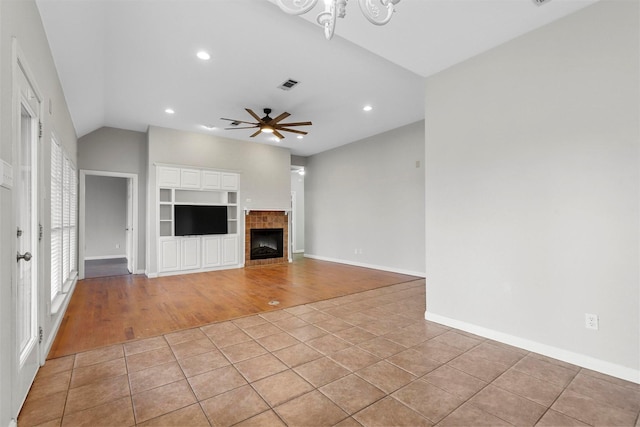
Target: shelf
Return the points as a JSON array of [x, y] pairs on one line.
[[166, 212], [195, 197], [165, 195], [166, 228]]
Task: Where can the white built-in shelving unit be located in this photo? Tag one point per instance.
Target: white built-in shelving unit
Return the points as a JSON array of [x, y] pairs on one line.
[[179, 185]]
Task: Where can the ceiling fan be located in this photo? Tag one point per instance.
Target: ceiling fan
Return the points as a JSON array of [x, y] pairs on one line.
[[269, 125]]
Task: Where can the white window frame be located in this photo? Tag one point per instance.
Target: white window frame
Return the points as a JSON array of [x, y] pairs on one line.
[[64, 223]]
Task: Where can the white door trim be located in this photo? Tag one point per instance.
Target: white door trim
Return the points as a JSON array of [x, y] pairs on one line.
[[81, 230]]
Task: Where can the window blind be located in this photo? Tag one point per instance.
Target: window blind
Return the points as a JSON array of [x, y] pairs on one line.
[[64, 194]]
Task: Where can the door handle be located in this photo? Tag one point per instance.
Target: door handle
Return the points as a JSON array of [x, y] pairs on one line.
[[26, 256]]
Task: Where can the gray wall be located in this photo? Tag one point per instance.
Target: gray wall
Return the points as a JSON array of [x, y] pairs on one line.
[[369, 196], [265, 181], [20, 19], [532, 190], [105, 216], [124, 151]]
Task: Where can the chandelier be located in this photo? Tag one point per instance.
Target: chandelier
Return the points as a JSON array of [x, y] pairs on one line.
[[378, 12]]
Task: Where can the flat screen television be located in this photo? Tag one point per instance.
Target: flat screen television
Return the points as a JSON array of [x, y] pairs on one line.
[[193, 220]]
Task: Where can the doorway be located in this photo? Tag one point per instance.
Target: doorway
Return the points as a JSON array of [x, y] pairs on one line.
[[296, 235], [108, 224]]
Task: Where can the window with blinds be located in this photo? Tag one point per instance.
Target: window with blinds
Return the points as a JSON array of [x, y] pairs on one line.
[[64, 227]]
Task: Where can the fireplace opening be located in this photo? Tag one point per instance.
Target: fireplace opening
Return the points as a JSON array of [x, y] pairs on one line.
[[267, 243]]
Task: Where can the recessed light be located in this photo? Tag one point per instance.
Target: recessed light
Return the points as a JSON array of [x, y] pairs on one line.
[[203, 55], [367, 108], [300, 136], [210, 127], [275, 139], [169, 111]]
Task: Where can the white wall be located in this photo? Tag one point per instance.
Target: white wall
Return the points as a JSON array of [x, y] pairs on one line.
[[532, 190], [124, 151], [20, 19], [369, 196], [105, 216], [265, 181]]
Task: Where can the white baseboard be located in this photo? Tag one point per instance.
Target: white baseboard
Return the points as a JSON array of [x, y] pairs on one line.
[[365, 265], [578, 359], [139, 272], [93, 258], [299, 251]]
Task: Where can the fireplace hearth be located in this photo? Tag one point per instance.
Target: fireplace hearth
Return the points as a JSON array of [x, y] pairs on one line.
[[267, 243]]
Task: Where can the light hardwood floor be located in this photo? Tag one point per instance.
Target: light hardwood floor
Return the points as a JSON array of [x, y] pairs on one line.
[[110, 310]]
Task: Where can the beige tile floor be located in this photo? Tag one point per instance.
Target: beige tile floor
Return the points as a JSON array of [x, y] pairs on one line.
[[367, 359]]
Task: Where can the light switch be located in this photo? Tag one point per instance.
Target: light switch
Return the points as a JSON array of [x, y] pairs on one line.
[[6, 174]]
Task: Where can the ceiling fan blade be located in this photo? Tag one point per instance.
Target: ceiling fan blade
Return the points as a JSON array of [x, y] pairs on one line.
[[278, 134], [293, 131], [295, 124], [257, 133], [239, 121], [244, 127], [280, 117], [254, 115]]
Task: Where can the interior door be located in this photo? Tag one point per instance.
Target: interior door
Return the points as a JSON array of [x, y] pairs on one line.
[[129, 229], [26, 218]]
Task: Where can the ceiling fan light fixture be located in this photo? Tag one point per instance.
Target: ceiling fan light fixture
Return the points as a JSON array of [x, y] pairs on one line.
[[269, 125], [203, 55]]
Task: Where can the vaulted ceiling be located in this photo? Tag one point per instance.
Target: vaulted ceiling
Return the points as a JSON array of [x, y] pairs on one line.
[[122, 63]]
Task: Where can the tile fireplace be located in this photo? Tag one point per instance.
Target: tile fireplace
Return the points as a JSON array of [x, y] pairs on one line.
[[266, 237]]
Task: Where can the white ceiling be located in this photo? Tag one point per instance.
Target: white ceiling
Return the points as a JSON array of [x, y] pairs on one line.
[[122, 63]]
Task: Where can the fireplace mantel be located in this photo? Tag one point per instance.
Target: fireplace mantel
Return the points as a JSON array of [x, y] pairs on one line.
[[247, 211]]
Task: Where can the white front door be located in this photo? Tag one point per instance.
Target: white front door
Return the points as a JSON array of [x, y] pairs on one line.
[[26, 289]]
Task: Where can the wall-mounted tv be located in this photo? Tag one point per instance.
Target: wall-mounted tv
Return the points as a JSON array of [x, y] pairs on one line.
[[192, 220]]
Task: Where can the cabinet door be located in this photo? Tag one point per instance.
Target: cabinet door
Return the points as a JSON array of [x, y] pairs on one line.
[[190, 253], [168, 177], [229, 250], [210, 180], [211, 251], [169, 255], [189, 178], [229, 181]]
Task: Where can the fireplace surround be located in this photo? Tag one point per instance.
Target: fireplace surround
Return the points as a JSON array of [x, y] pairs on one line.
[[266, 220]]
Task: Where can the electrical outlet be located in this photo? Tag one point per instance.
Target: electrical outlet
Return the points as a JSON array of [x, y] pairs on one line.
[[117, 245], [591, 321]]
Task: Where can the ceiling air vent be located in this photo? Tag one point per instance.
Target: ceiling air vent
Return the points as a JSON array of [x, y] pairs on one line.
[[540, 2], [289, 84]]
